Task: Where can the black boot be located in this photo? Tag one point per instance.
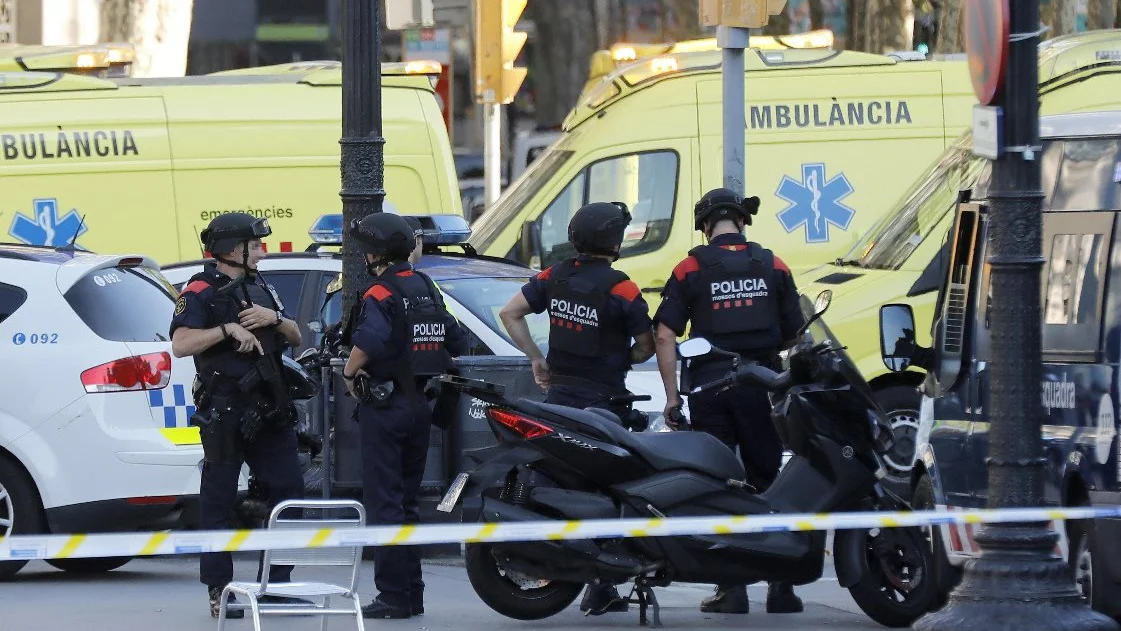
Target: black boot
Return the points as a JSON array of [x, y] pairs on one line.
[[602, 598], [727, 599], [216, 604], [379, 608], [782, 599]]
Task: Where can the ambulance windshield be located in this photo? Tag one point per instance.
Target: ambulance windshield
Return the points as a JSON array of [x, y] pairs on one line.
[[889, 242]]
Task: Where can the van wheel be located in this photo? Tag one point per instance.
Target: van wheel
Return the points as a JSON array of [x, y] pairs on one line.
[[946, 576], [1089, 572], [901, 406], [20, 513], [89, 565]]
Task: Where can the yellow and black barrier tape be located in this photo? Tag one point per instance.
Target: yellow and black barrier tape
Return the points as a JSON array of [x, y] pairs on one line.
[[135, 544]]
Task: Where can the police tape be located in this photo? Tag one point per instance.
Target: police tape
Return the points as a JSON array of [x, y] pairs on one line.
[[30, 547]]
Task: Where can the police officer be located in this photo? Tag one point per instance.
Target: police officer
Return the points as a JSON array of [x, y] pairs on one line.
[[403, 337], [594, 311], [742, 298], [234, 326]]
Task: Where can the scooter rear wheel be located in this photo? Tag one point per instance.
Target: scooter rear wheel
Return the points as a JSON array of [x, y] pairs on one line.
[[513, 594], [898, 585]]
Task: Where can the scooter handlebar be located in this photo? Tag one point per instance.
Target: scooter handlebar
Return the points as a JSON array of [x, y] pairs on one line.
[[752, 373]]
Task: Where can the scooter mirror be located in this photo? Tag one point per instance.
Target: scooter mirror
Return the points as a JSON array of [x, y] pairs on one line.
[[694, 347], [822, 302]]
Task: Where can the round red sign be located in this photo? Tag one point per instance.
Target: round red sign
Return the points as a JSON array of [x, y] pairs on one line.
[[986, 45]]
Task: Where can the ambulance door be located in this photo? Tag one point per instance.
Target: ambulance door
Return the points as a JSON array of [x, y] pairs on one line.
[[648, 178], [93, 169]]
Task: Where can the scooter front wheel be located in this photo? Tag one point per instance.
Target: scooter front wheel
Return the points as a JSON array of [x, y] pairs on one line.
[[513, 594], [897, 585]]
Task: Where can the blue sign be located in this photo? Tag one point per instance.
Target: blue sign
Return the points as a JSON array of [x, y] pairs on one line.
[[47, 228], [815, 203]]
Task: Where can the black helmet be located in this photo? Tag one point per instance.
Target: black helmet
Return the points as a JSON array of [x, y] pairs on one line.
[[722, 203], [228, 229], [598, 227], [384, 235], [414, 223]]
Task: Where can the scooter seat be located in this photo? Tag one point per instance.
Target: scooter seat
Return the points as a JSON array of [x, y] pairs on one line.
[[696, 451], [665, 451]]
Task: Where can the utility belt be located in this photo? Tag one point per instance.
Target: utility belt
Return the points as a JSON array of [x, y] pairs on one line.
[[378, 393], [227, 417]]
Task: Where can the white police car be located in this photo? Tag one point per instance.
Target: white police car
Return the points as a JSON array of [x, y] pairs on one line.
[[93, 405], [475, 289]]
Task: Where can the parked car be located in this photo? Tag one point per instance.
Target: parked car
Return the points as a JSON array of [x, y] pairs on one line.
[[93, 405]]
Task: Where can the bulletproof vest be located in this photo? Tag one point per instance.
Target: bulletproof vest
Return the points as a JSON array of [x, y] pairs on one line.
[[577, 304], [224, 308], [735, 306], [424, 323]]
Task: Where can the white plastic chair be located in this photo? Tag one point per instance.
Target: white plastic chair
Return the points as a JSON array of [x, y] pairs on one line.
[[355, 517]]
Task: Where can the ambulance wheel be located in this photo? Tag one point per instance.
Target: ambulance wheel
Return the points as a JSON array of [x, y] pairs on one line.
[[946, 576], [901, 407], [1085, 562], [89, 565], [20, 512]]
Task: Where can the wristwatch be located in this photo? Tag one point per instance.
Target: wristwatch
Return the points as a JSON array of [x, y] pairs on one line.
[[279, 318]]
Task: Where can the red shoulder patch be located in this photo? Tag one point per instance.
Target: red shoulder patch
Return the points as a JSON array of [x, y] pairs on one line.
[[378, 292], [686, 267], [545, 274], [405, 273], [196, 287], [780, 266], [627, 290]]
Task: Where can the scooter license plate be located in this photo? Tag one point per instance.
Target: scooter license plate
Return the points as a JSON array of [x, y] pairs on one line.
[[452, 496]]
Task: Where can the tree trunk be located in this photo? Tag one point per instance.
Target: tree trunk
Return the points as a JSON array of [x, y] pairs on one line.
[[779, 24], [889, 26], [857, 36], [1100, 14], [565, 42], [159, 29], [1065, 19], [950, 38]]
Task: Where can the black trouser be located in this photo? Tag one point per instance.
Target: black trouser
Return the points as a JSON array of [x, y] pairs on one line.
[[272, 458], [741, 417], [394, 451], [577, 397]]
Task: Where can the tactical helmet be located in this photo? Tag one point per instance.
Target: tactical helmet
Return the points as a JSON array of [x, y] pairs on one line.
[[598, 227], [384, 235], [414, 223], [722, 203], [228, 229]]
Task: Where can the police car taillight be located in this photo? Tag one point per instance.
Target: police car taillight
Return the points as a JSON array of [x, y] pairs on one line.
[[142, 372]]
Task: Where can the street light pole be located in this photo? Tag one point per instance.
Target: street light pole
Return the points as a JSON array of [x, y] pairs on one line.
[[362, 145], [1018, 582], [732, 42]]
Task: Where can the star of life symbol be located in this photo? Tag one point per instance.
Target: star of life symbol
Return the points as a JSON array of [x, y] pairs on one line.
[[815, 202], [47, 228]]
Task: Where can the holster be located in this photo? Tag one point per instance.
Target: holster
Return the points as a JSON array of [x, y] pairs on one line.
[[220, 432], [376, 393]]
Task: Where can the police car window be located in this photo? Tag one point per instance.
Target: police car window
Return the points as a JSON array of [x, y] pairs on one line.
[[1091, 175], [890, 241], [290, 287], [11, 298], [1072, 279], [485, 297], [124, 304], [647, 184]]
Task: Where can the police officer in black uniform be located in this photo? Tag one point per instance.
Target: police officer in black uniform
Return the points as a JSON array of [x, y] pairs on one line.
[[234, 326], [594, 311], [742, 298], [403, 337]]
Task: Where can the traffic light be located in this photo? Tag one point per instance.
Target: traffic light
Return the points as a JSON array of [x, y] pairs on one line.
[[739, 13], [497, 45]]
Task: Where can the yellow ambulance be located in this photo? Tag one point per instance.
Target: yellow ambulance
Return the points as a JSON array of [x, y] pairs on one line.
[[901, 259], [144, 164], [833, 138]]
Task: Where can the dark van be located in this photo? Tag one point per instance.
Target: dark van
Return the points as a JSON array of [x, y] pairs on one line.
[[1081, 343]]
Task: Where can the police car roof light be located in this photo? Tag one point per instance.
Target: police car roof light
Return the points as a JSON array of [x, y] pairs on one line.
[[437, 229]]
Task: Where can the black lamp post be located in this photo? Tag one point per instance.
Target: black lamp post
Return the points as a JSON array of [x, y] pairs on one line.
[[362, 151], [1018, 583]]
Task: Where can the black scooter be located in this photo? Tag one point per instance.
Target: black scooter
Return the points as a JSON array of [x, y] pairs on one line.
[[554, 462]]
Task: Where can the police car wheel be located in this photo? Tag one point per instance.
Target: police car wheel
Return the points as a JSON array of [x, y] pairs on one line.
[[89, 566], [20, 512], [901, 406], [1088, 574], [513, 594]]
